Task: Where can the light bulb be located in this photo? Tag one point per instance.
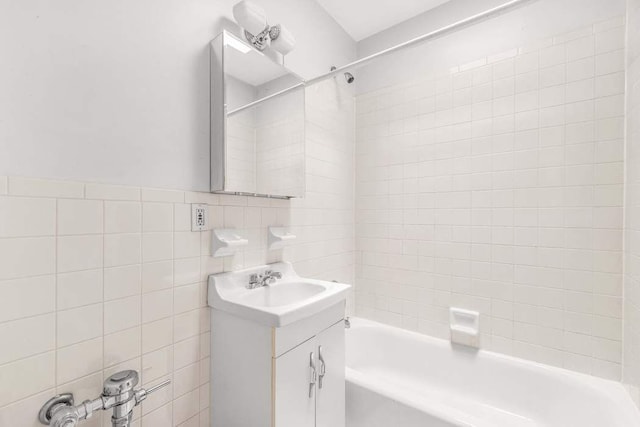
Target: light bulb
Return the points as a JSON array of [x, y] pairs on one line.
[[285, 41], [250, 16]]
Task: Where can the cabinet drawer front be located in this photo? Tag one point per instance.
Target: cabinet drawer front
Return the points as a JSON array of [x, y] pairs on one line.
[[289, 336]]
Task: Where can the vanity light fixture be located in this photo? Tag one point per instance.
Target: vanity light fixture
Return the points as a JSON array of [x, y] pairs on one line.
[[253, 19]]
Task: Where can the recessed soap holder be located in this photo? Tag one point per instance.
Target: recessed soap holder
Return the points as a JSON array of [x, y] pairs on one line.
[[278, 237], [464, 326], [226, 241]]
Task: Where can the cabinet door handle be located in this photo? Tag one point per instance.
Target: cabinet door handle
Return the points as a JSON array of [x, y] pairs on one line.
[[312, 374], [323, 368]]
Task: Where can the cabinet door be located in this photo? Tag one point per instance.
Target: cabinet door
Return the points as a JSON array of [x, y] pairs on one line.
[[330, 401], [295, 392]]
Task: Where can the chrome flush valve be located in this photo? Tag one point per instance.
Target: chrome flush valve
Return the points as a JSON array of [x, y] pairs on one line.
[[118, 394]]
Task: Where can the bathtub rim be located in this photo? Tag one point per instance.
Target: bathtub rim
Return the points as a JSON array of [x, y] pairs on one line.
[[613, 391]]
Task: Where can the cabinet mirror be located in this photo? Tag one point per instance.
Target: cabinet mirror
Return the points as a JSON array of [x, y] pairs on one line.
[[257, 122]]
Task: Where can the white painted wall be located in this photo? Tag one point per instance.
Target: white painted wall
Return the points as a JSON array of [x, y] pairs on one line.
[[118, 91], [532, 22]]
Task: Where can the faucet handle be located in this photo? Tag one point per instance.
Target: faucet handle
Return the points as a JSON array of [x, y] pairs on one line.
[[143, 393], [254, 280], [271, 273]]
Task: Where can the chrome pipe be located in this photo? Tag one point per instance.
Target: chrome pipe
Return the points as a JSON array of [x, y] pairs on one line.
[[118, 394]]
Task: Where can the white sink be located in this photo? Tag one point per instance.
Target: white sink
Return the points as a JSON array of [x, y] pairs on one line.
[[278, 294], [287, 300]]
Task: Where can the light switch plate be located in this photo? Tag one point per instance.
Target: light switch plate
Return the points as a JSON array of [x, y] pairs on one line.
[[199, 217]]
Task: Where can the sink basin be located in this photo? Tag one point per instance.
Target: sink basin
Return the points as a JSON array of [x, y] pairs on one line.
[[287, 300], [282, 294]]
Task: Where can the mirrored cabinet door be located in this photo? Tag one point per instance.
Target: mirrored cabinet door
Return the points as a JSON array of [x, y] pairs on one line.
[[257, 122]]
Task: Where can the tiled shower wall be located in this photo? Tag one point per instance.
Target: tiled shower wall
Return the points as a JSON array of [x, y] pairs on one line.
[[96, 278], [241, 149], [497, 186], [632, 206], [279, 159]]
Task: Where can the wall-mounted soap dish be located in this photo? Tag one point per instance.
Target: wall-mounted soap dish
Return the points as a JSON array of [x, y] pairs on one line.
[[278, 237], [464, 326], [227, 241]]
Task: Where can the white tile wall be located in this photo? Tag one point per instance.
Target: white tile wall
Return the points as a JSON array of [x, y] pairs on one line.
[[632, 203], [97, 278], [266, 147], [280, 155], [242, 152], [498, 187]]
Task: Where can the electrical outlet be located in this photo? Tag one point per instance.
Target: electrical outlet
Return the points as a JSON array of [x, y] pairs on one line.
[[199, 215]]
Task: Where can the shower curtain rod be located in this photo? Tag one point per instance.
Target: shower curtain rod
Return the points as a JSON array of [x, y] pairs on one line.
[[483, 16]]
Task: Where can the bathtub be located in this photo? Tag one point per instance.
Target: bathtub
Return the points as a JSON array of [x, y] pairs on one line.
[[397, 378]]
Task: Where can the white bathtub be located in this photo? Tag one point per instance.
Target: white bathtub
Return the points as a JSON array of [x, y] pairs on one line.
[[397, 378]]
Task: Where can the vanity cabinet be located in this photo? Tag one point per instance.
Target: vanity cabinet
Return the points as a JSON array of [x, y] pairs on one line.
[[317, 367], [290, 376], [330, 395], [295, 397]]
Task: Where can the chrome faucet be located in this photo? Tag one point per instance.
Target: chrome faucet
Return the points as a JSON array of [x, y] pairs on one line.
[[259, 280], [118, 394]]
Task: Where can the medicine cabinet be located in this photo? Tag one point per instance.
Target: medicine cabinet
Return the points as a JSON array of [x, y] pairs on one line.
[[257, 122]]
